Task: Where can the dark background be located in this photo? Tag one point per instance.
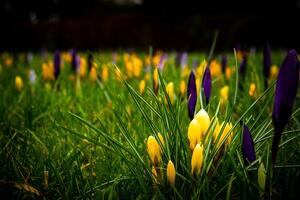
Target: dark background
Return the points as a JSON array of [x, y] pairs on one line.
[[182, 25]]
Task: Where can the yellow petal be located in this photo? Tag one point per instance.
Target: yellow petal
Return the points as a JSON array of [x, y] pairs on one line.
[[203, 120], [194, 133], [197, 159], [171, 173]]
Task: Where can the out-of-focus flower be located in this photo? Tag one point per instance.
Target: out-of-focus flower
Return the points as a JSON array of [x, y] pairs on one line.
[[162, 61], [206, 84], [201, 68], [248, 146], [32, 76], [183, 60], [266, 62], [170, 91], [75, 60], [197, 159], [285, 94], [220, 136], [194, 133], [155, 80], [93, 74], [274, 72], [228, 72], [203, 119], [82, 67], [137, 66], [142, 86], [154, 151], [118, 75], [8, 61], [182, 88], [242, 69], [48, 71], [171, 173], [185, 71], [19, 83], [224, 63], [252, 89], [224, 91], [191, 95], [215, 68], [104, 74], [57, 62]]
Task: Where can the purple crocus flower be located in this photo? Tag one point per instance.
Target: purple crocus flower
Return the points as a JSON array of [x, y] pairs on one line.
[[224, 63], [242, 69], [206, 84], [192, 95], [267, 62], [285, 94], [90, 61], [74, 62], [162, 61], [56, 63], [248, 146], [183, 60]]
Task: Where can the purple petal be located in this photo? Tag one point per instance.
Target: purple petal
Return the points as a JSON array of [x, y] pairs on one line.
[[56, 63], [162, 60], [183, 60], [206, 84], [224, 63], [74, 62], [191, 95], [248, 146], [285, 94]]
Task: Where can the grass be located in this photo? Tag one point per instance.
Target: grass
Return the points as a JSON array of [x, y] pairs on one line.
[[84, 139]]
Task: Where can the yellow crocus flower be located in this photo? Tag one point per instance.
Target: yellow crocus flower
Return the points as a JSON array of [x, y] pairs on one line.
[[142, 86], [154, 151], [224, 94], [194, 133], [93, 74], [197, 159], [19, 83], [104, 73], [215, 68], [155, 80], [252, 89], [182, 88], [170, 91], [171, 173], [203, 120], [222, 136], [274, 72]]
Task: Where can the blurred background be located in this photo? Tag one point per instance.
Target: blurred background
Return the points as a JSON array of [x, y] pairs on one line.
[[182, 25]]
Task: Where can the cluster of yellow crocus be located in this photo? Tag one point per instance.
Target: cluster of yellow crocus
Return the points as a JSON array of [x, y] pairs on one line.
[[133, 65], [155, 154], [196, 133], [220, 136], [48, 71], [19, 83]]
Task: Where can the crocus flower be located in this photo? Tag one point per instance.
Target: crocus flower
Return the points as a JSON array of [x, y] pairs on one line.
[[182, 88], [285, 94], [224, 63], [194, 133], [220, 136], [162, 61], [197, 159], [155, 80], [93, 74], [191, 95], [154, 175], [224, 91], [142, 86], [252, 89], [32, 76], [267, 63], [56, 63], [154, 151], [183, 60], [274, 72], [161, 138], [19, 83], [206, 84], [170, 91], [90, 61], [171, 173], [203, 119], [104, 74], [215, 68], [248, 146]]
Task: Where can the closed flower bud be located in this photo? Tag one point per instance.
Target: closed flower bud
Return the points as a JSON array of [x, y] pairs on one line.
[[220, 136], [142, 86], [19, 83], [170, 91], [194, 133], [252, 89], [154, 151], [182, 88], [104, 74], [191, 95], [261, 178], [206, 84], [155, 80], [203, 120], [248, 146], [93, 73], [171, 173], [197, 159], [224, 94]]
